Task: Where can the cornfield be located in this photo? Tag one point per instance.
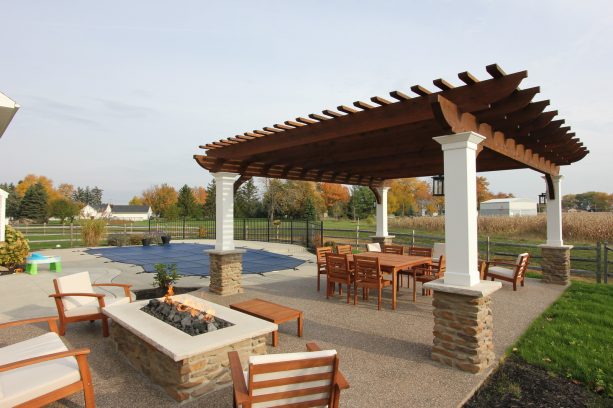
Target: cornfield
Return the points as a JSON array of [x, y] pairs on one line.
[[576, 227]]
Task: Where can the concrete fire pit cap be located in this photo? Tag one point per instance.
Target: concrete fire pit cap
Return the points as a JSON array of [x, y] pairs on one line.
[[179, 345], [481, 289]]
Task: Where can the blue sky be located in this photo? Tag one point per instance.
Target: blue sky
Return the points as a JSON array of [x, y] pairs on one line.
[[120, 94]]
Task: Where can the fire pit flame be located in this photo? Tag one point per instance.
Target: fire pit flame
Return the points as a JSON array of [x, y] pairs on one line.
[[168, 296]]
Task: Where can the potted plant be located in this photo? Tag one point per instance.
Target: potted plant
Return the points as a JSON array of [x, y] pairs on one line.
[[147, 238], [165, 276], [165, 238]]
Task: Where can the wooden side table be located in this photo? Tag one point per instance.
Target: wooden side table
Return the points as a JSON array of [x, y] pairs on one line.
[[271, 312]]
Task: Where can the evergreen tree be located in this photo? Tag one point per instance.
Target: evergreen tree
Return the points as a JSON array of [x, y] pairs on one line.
[[186, 202], [12, 201], [309, 211], [247, 204], [362, 202], [34, 203], [209, 205], [95, 197]]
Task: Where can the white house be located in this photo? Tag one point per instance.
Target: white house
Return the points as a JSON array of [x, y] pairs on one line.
[[117, 212], [8, 108], [508, 207]]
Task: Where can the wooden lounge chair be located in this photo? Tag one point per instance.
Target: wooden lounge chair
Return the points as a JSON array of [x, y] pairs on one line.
[[373, 247], [393, 249], [337, 271], [321, 262], [515, 273], [368, 276], [428, 274], [344, 249], [307, 379], [38, 371], [76, 300]]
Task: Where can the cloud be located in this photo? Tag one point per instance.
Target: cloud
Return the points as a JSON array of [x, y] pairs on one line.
[[126, 110]]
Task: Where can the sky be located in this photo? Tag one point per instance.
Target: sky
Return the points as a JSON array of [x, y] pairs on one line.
[[120, 94]]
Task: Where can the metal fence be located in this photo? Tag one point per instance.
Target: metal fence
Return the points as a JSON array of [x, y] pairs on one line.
[[586, 260]]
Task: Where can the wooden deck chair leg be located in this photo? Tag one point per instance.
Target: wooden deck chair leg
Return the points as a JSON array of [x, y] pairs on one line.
[[355, 294], [348, 292], [414, 289], [515, 285], [105, 326], [86, 377], [318, 279], [522, 281], [379, 299]]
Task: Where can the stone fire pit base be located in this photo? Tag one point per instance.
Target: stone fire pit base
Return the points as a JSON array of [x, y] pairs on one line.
[[186, 379]]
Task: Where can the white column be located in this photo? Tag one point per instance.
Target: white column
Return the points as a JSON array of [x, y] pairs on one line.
[[224, 210], [382, 213], [554, 214], [461, 249], [3, 196]]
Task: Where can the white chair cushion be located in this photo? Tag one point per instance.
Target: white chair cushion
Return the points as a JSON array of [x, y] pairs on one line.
[[94, 308], [497, 270], [26, 383], [374, 247], [276, 358], [437, 250], [76, 283]]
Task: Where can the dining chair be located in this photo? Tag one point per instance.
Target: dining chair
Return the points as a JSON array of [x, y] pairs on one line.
[[428, 274], [392, 249], [344, 249], [413, 251], [320, 253], [337, 271], [368, 276], [437, 250]]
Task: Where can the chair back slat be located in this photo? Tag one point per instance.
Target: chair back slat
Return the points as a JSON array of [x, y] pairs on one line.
[[344, 249], [420, 251], [321, 254], [337, 266], [393, 249], [367, 269]]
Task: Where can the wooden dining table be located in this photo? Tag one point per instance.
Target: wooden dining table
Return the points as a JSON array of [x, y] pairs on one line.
[[393, 263]]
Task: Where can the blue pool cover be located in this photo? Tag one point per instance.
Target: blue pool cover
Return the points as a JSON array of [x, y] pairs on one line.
[[191, 259]]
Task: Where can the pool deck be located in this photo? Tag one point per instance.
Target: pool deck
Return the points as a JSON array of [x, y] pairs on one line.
[[385, 355]]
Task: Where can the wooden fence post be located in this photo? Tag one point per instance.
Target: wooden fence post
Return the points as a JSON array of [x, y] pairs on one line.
[[606, 262], [487, 254], [71, 232], [598, 253]]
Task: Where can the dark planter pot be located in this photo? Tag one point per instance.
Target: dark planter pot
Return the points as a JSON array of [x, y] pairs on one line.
[[146, 241], [165, 239]]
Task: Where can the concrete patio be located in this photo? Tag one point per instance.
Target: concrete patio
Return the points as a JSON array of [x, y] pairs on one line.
[[384, 355]]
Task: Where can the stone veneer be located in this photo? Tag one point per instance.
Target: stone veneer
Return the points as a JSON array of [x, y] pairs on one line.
[[225, 269], [556, 264], [463, 331], [186, 379], [383, 240]]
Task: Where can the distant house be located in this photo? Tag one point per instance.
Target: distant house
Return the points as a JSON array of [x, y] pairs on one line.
[[509, 207], [117, 212]]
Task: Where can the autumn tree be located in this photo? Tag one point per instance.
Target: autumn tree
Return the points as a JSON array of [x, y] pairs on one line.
[[336, 198], [136, 200], [65, 190], [483, 190], [32, 179], [160, 198], [199, 194]]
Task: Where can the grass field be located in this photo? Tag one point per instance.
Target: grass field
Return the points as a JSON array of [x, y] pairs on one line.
[[573, 338]]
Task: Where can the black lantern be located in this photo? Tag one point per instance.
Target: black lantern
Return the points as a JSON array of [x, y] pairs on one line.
[[438, 186], [542, 199]]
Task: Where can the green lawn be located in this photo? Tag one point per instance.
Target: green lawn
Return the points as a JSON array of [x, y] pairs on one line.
[[573, 338]]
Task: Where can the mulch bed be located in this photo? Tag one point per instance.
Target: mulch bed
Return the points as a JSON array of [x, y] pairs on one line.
[[518, 384], [156, 293]]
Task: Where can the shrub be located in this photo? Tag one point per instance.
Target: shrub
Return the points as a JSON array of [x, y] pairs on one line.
[[135, 239], [201, 232], [92, 231], [117, 240], [165, 275], [14, 250]]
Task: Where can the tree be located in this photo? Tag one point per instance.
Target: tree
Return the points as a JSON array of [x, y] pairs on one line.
[[34, 203], [569, 201], [208, 209], [13, 200], [200, 194], [247, 203], [160, 198], [96, 197], [63, 209], [186, 202], [66, 190], [483, 191], [274, 197], [32, 179], [136, 200], [594, 201], [335, 196], [362, 202]]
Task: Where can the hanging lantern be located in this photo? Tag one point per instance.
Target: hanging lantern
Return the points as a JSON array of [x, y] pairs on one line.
[[542, 199], [438, 186]]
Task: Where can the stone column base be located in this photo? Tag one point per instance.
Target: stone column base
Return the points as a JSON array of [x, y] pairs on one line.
[[556, 264], [383, 240], [225, 271], [463, 325]]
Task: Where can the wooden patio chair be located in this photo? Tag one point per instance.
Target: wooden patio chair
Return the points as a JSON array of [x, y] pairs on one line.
[[344, 249], [337, 271], [321, 262], [40, 370], [76, 300], [367, 275], [393, 249], [307, 379], [413, 251], [373, 247], [428, 274], [437, 250], [515, 273]]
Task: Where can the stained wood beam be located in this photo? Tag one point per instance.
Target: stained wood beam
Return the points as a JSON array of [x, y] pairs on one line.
[[240, 181], [272, 129], [467, 78], [495, 71], [442, 84], [363, 105], [283, 127], [305, 120], [399, 95], [420, 90], [318, 117], [346, 109], [331, 113], [380, 101]]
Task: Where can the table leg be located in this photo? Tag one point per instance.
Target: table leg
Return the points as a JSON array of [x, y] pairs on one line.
[[394, 290], [32, 269], [300, 322], [275, 338]]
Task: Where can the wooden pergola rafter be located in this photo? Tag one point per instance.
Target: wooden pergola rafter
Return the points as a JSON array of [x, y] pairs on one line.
[[368, 143]]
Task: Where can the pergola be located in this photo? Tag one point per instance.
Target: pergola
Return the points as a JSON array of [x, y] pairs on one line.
[[486, 125], [8, 108]]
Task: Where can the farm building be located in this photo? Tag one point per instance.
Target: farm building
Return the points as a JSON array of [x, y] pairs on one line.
[[508, 207], [117, 212]]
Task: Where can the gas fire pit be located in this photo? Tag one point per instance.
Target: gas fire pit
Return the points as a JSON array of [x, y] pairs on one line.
[[181, 342]]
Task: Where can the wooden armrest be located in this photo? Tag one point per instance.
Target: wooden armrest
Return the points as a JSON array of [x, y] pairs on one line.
[[125, 286], [51, 320], [61, 295], [43, 358], [341, 381], [241, 394]]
